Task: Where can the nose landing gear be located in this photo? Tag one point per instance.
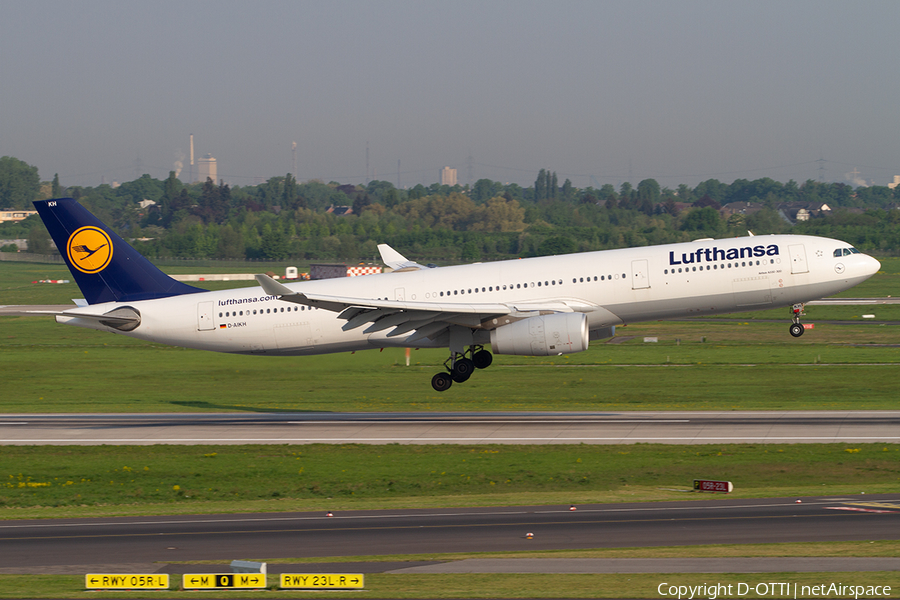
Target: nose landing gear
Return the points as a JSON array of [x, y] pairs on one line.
[[460, 367], [797, 328]]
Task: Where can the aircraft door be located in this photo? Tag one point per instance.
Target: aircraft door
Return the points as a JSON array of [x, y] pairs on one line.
[[205, 316], [640, 277], [798, 259]]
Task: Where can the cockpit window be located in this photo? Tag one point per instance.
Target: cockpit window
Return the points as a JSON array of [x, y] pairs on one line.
[[838, 253], [845, 252], [852, 251]]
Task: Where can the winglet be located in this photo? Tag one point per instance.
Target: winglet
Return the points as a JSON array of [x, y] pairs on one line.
[[272, 287], [395, 260]]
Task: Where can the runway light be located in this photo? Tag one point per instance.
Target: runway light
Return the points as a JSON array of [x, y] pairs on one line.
[[572, 507], [799, 501], [329, 514], [529, 535]]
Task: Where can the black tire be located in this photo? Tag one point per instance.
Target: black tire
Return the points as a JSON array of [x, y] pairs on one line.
[[797, 329], [462, 370], [441, 382], [483, 359]]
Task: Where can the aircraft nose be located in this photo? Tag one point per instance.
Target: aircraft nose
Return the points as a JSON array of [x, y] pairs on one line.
[[873, 265]]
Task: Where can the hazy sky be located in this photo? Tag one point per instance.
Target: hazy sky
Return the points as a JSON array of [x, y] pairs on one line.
[[600, 92]]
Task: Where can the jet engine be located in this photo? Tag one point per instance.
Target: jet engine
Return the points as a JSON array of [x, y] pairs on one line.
[[546, 335]]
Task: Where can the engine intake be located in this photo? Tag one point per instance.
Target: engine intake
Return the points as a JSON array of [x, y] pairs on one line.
[[548, 335]]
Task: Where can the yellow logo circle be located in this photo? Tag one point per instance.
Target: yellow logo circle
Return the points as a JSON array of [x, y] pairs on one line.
[[90, 249]]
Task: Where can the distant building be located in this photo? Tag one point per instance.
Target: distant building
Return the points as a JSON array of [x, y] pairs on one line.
[[448, 176], [206, 168], [15, 215], [802, 211], [896, 182]]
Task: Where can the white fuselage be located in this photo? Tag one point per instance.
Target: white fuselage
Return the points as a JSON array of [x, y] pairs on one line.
[[611, 287]]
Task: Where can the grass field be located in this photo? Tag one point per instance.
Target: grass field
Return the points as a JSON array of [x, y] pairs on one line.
[[386, 585], [91, 480], [740, 366]]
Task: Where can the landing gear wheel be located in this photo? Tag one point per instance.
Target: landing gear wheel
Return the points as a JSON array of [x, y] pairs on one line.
[[482, 359], [796, 329], [462, 370], [441, 382]]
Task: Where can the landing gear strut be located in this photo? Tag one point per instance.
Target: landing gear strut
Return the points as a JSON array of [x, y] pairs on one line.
[[797, 328], [460, 367]]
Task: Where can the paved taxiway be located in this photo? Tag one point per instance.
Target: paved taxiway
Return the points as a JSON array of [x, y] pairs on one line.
[[56, 545], [454, 428]]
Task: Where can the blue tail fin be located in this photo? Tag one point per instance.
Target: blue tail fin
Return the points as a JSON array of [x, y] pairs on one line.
[[104, 266]]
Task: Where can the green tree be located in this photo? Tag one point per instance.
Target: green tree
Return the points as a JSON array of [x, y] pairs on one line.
[[274, 242], [54, 187], [19, 183], [471, 252], [540, 186], [557, 244], [702, 219], [39, 239]]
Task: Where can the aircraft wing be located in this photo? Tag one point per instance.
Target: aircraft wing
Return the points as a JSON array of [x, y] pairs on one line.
[[426, 319]]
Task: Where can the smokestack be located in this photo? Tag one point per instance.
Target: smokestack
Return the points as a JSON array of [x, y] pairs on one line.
[[191, 174]]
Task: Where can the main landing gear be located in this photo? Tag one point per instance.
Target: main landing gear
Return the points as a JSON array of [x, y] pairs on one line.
[[797, 328], [461, 366]]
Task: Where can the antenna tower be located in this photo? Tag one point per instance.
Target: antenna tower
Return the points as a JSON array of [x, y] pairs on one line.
[[367, 163], [821, 162], [469, 170], [191, 172], [294, 159]]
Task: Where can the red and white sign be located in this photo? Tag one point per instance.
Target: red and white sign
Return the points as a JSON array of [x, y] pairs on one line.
[[707, 485]]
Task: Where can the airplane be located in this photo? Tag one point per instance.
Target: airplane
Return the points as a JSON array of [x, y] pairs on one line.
[[536, 306]]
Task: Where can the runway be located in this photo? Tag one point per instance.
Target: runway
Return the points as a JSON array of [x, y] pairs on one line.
[[691, 427], [57, 545]]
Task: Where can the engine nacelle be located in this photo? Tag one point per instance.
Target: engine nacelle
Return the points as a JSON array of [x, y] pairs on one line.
[[547, 335]]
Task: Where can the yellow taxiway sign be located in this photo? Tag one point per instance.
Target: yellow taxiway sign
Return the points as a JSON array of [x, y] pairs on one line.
[[119, 581], [322, 581], [194, 581]]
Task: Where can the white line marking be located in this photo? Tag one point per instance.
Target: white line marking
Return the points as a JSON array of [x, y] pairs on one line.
[[481, 439], [573, 421]]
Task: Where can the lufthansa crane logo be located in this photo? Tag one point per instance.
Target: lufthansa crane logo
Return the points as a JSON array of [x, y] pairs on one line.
[[90, 249]]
